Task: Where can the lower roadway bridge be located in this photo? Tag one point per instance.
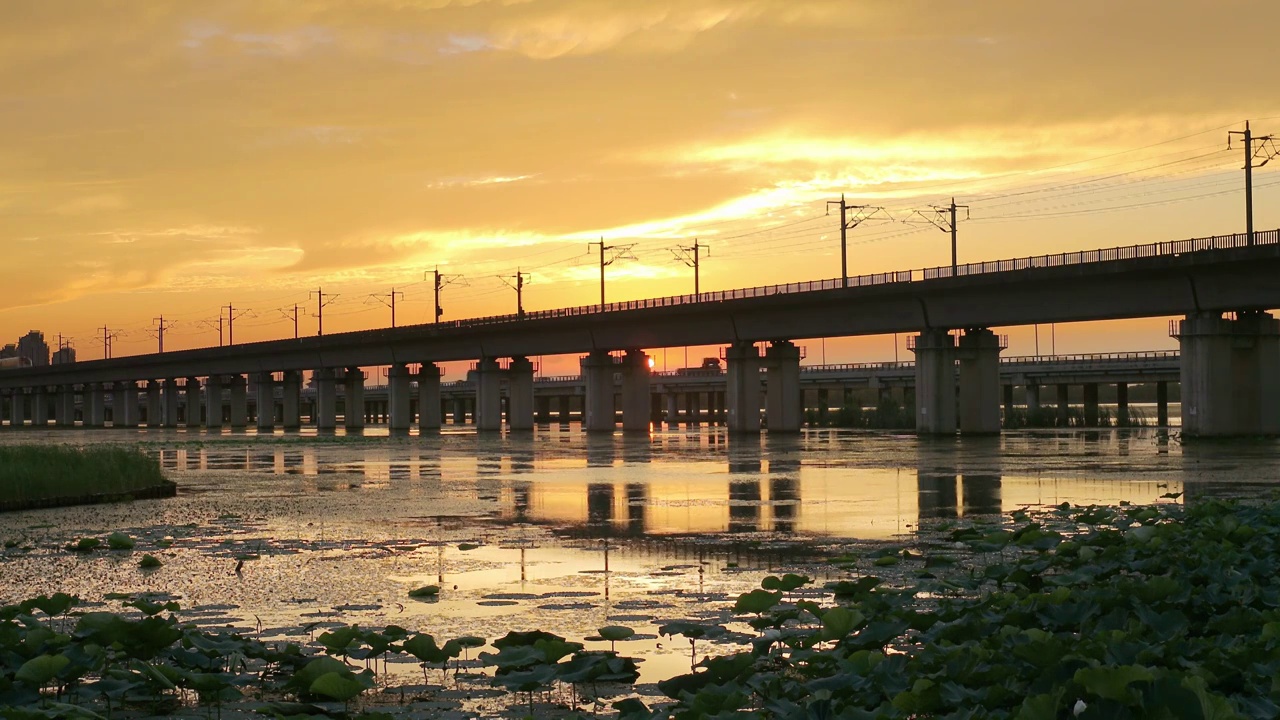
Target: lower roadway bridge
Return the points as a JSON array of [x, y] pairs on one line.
[[697, 395]]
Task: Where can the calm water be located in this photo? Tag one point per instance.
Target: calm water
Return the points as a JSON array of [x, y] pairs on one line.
[[560, 531]]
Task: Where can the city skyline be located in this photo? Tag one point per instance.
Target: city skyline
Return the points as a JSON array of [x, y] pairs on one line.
[[171, 161]]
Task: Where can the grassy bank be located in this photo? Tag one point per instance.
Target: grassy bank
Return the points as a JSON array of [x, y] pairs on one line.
[[43, 475]]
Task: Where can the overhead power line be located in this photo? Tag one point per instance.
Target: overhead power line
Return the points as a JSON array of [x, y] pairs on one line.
[[320, 296], [518, 286], [438, 282], [850, 217], [1266, 150], [691, 255], [158, 332], [944, 218], [617, 252], [390, 301]]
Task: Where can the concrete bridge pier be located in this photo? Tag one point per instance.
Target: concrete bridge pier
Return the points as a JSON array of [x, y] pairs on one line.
[[192, 389], [154, 410], [782, 404], [169, 394], [520, 394], [94, 405], [1064, 405], [1230, 374], [326, 408], [291, 400], [1031, 398], [353, 399], [635, 391], [935, 382], [488, 381], [673, 409], [459, 411], [66, 410], [693, 409], [979, 356], [399, 391], [1091, 404], [542, 414], [598, 412], [18, 408], [124, 410], [213, 402], [39, 406], [239, 402], [429, 397], [6, 403], [1008, 402], [265, 384], [742, 388], [1162, 404], [1122, 404]]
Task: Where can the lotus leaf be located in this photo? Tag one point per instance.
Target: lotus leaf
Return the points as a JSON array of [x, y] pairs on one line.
[[838, 622], [522, 638], [423, 647], [691, 630], [84, 545], [341, 640], [614, 633], [149, 608], [40, 670], [52, 605], [308, 674], [786, 583], [426, 591], [757, 601], [528, 679], [339, 686]]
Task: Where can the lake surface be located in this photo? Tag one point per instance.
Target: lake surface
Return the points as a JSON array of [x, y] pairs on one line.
[[561, 531]]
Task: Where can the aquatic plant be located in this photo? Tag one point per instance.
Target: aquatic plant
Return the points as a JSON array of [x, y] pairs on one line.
[[614, 633], [426, 591], [120, 541], [83, 545], [1079, 612], [423, 647]]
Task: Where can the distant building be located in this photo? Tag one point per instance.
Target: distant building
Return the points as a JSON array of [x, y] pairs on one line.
[[64, 355], [33, 347], [9, 351]]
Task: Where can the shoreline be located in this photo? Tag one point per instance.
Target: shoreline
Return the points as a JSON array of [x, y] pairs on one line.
[[165, 489]]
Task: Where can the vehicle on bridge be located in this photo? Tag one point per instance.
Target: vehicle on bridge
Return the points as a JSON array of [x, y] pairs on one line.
[[14, 362], [710, 365]]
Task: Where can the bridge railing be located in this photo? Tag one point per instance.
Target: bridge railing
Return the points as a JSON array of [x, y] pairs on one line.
[[1129, 252], [1092, 357], [845, 367]]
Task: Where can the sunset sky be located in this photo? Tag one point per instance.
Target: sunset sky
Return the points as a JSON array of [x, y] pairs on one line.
[[168, 158]]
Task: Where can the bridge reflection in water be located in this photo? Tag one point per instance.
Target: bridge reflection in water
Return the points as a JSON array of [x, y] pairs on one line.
[[819, 484]]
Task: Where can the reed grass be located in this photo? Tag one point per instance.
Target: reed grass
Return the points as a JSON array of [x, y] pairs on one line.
[[32, 473]]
